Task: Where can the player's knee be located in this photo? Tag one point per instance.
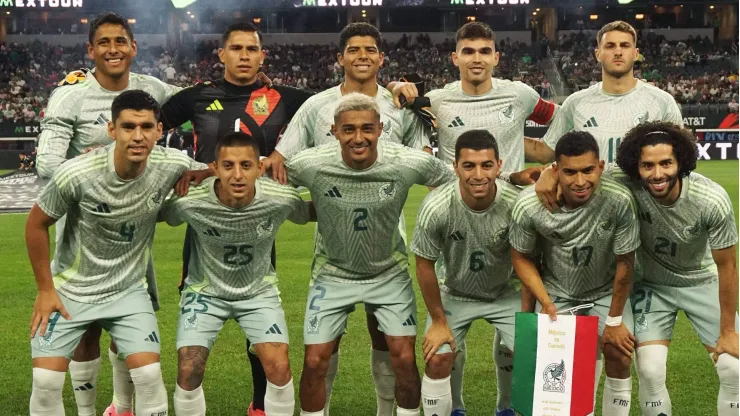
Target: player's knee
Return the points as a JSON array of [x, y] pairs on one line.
[[48, 380], [727, 370], [615, 359], [315, 365], [650, 362], [278, 371], [191, 365], [440, 366], [403, 361]]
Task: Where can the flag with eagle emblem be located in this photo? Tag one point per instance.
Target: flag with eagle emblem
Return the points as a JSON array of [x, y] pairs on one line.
[[554, 364]]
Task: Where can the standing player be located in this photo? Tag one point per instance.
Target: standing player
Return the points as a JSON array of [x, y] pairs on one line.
[[361, 58], [359, 187], [464, 226], [687, 260], [237, 102], [479, 101], [588, 254], [230, 279], [111, 197], [76, 119]]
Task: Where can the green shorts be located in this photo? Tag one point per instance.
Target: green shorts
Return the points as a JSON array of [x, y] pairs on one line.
[[461, 312], [601, 309], [130, 321], [201, 318], [655, 308], [329, 303]]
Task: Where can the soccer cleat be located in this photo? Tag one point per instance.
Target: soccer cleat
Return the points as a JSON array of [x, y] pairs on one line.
[[111, 411], [459, 412], [254, 412], [506, 412]]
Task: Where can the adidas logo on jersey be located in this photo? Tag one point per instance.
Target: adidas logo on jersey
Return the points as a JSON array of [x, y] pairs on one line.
[[456, 236], [102, 119], [152, 338], [103, 208], [591, 123], [456, 122], [410, 321], [274, 329], [556, 236], [215, 106], [645, 216], [213, 232], [333, 193]]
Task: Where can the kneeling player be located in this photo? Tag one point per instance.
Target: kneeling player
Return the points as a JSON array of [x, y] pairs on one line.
[[111, 197], [359, 186], [235, 217], [588, 249], [687, 260], [464, 226]]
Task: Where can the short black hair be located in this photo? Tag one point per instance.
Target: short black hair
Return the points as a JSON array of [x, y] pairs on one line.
[[358, 29], [576, 143], [476, 140], [240, 27], [237, 139], [652, 133], [109, 18], [475, 30], [134, 100]]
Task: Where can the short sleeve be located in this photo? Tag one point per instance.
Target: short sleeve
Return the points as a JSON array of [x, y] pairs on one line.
[[721, 222], [169, 211], [57, 197], [428, 236], [522, 234], [627, 232], [297, 136], [562, 123], [427, 169]]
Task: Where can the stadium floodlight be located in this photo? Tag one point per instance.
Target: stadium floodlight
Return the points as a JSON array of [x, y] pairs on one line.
[[182, 3], [619, 1]]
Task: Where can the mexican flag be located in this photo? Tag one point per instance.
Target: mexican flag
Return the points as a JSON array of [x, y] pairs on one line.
[[554, 364]]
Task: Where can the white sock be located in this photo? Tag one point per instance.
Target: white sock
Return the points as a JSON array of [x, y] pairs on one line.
[[305, 413], [597, 378], [280, 400], [331, 374], [504, 360], [617, 397], [727, 400], [84, 377], [436, 396], [123, 387], [151, 396], [456, 377], [650, 362], [46, 393], [407, 412], [385, 381], [189, 403]]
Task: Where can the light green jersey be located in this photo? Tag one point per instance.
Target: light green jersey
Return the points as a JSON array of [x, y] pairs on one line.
[[677, 240], [311, 125], [358, 210], [471, 247], [579, 246], [230, 256], [113, 219], [502, 111], [608, 117], [77, 116]]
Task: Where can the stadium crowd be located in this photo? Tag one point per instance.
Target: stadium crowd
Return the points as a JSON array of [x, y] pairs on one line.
[[694, 71]]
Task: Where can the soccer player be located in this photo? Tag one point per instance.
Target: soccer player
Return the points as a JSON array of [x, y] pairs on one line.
[[464, 227], [76, 119], [228, 279], [111, 197], [360, 56], [237, 102], [687, 260], [588, 256], [480, 101], [359, 186]]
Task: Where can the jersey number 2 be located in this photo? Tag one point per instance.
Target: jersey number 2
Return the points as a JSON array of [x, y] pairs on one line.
[[359, 218]]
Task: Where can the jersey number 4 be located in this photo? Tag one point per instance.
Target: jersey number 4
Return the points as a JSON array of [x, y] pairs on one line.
[[127, 232]]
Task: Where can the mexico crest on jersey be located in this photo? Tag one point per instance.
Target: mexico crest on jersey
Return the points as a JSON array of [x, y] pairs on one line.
[[501, 235], [641, 118], [507, 114], [692, 231], [265, 228], [604, 229], [154, 200], [387, 191]]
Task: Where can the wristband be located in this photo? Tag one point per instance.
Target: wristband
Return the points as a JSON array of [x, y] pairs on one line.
[[613, 320], [505, 176]]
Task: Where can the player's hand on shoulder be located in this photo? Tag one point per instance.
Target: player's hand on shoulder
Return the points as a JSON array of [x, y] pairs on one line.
[[548, 189], [275, 166], [620, 338], [437, 335], [527, 177], [191, 176], [91, 148], [406, 89], [264, 79], [47, 302], [727, 343]]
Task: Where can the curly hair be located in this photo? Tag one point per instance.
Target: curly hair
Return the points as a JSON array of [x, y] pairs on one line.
[[652, 133]]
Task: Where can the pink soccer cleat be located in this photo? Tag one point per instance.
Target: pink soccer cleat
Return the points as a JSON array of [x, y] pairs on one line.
[[111, 411], [255, 412]]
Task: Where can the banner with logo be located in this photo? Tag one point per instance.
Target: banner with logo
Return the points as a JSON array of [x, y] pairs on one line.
[[554, 365], [19, 129], [19, 190]]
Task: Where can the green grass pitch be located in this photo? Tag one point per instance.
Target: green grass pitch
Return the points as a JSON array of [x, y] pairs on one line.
[[692, 380]]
